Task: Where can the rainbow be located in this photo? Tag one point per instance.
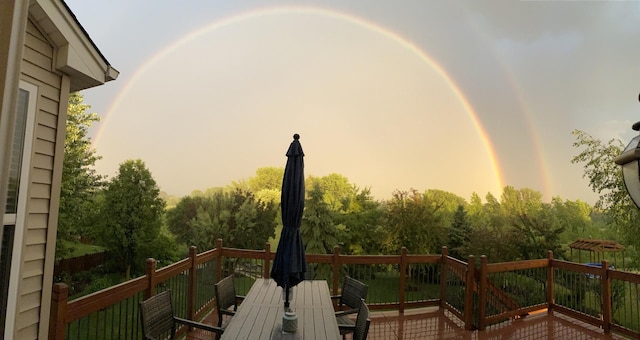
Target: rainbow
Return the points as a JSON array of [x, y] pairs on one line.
[[486, 142]]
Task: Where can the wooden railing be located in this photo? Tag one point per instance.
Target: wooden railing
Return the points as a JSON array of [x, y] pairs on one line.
[[479, 296]]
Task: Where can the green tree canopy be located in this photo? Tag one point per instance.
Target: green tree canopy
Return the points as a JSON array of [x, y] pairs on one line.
[[266, 178], [236, 217], [80, 181], [335, 187], [605, 179], [318, 230], [459, 234], [413, 221], [132, 215], [361, 221]]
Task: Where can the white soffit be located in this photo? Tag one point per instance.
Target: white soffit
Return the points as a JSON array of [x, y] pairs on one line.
[[76, 55]]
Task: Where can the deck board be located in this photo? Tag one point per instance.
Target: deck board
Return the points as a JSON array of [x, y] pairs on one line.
[[434, 323], [260, 314]]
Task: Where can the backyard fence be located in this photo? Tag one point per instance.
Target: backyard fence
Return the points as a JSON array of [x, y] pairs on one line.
[[80, 263]]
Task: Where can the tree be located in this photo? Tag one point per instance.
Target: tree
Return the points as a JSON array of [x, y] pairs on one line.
[[234, 216], [531, 227], [449, 203], [318, 230], [459, 233], [605, 179], [179, 217], [413, 221], [361, 219], [267, 178], [574, 217], [335, 187], [132, 215], [80, 182]]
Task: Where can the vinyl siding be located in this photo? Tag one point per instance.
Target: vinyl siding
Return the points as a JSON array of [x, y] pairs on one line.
[[37, 68]]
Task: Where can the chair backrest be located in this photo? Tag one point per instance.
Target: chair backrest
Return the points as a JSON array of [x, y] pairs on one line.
[[225, 296], [353, 291], [156, 315], [362, 322]]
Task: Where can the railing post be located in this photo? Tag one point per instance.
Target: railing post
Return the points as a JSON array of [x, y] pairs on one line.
[[336, 270], [219, 269], [151, 284], [267, 261], [550, 280], [57, 320], [468, 293], [606, 298], [443, 276], [482, 294], [192, 289], [403, 279]]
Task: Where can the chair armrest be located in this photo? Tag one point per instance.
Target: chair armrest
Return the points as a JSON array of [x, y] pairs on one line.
[[200, 325], [348, 328], [240, 298], [336, 297], [346, 312]]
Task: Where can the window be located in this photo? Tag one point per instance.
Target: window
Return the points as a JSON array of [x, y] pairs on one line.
[[13, 221]]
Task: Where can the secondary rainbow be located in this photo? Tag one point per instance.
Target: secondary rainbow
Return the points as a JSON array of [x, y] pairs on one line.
[[318, 11]]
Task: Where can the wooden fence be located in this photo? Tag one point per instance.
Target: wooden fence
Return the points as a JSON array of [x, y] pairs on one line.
[[80, 263]]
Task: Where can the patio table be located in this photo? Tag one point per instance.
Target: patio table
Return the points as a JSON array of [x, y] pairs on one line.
[[260, 314]]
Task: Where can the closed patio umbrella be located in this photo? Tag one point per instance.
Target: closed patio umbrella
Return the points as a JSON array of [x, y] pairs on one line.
[[290, 265]]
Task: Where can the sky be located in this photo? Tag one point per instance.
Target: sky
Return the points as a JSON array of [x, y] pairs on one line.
[[461, 96]]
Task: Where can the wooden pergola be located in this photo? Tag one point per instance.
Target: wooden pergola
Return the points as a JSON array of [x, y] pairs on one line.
[[597, 250]]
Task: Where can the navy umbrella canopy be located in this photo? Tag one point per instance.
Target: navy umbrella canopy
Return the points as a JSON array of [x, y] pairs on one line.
[[290, 265]]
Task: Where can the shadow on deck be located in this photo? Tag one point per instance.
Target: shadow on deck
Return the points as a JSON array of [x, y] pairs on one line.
[[434, 323]]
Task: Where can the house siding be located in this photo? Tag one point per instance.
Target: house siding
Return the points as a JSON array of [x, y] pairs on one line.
[[37, 68]]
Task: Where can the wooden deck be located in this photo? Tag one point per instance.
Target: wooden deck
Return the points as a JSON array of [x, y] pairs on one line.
[[433, 323]]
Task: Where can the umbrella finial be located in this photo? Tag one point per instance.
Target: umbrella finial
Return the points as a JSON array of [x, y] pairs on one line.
[[296, 136]]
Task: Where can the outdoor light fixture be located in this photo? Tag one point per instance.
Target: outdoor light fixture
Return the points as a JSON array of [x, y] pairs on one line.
[[629, 159]]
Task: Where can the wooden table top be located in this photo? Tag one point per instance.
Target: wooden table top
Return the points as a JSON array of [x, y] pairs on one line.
[[260, 315]]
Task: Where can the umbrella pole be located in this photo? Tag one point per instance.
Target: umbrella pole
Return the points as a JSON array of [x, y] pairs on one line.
[[286, 297]]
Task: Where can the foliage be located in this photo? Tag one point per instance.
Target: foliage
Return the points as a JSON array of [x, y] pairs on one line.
[[448, 202], [266, 184], [336, 189], [266, 178], [80, 182], [459, 233], [318, 230], [413, 221], [605, 178], [361, 218], [132, 215], [179, 217], [235, 216], [532, 229], [89, 281]]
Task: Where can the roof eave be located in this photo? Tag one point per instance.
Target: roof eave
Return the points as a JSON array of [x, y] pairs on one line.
[[76, 54]]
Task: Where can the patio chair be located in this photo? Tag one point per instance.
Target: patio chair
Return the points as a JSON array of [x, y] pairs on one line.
[[360, 329], [226, 299], [352, 292], [156, 316]]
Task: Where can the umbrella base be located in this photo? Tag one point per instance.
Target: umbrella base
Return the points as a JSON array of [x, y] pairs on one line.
[[289, 321]]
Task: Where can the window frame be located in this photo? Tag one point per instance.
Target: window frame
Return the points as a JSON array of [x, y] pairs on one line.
[[19, 218]]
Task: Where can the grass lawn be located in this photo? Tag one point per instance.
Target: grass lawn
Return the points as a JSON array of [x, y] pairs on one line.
[[79, 249]]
